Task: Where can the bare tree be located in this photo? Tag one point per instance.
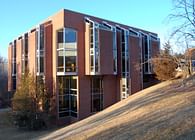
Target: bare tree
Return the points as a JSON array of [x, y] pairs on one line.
[[183, 31], [184, 18]]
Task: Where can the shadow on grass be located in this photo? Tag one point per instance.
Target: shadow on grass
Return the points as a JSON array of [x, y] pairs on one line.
[[164, 125]]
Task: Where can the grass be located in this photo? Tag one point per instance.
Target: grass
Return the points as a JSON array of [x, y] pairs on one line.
[[165, 111], [162, 112]]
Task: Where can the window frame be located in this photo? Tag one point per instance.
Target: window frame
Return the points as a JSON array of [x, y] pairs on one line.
[[69, 95], [64, 49], [100, 93], [40, 51]]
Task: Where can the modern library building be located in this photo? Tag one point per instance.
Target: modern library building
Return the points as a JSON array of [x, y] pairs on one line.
[[87, 63]]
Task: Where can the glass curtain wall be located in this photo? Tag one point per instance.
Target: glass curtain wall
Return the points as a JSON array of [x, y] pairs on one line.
[[67, 96], [67, 51], [96, 93]]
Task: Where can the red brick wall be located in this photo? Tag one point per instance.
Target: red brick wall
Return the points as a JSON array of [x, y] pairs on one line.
[[106, 52], [109, 90], [48, 58], [134, 64]]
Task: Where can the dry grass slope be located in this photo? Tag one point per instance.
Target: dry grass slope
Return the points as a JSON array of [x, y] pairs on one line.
[[165, 111]]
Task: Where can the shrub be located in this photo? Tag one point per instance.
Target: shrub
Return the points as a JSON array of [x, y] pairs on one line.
[[164, 67], [26, 103]]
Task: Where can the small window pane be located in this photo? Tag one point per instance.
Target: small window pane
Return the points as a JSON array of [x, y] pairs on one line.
[[60, 36], [73, 84], [60, 61], [74, 103], [63, 103], [70, 61], [41, 64], [96, 103], [14, 83], [70, 35], [73, 114], [73, 92], [14, 68], [64, 114]]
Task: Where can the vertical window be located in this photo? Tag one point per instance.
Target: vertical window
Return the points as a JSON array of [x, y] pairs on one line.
[[60, 61], [114, 51], [41, 64], [14, 82], [13, 71], [25, 53], [124, 85], [125, 54], [67, 51], [147, 53], [26, 44], [70, 61], [14, 58], [94, 47], [67, 96], [40, 50], [96, 94]]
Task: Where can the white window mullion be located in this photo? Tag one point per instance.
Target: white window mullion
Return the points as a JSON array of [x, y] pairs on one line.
[[64, 49]]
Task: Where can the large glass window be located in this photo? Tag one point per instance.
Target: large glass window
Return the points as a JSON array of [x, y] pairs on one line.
[[67, 96], [96, 94], [67, 51]]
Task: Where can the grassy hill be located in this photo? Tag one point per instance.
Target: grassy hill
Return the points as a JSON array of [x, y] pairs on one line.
[[164, 111]]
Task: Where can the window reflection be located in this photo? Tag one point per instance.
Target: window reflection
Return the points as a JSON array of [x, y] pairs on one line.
[[67, 50], [67, 86]]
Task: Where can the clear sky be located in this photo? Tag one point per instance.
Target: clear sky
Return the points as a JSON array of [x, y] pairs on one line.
[[18, 16]]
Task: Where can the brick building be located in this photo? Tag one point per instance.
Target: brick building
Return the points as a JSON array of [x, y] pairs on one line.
[[87, 63]]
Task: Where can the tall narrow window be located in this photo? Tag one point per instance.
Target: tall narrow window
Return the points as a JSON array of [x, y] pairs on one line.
[[125, 54], [94, 47], [14, 58], [96, 94], [146, 43], [124, 81], [24, 53], [114, 50], [40, 50], [14, 82], [67, 96], [67, 51], [14, 65]]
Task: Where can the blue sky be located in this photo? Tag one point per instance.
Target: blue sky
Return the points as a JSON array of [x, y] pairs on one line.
[[18, 16]]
